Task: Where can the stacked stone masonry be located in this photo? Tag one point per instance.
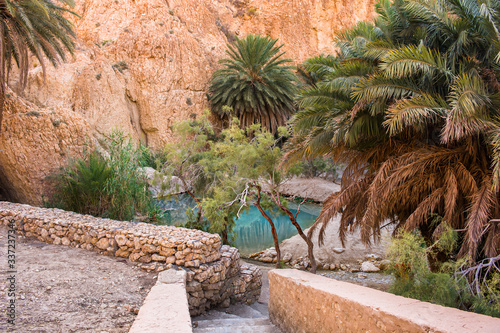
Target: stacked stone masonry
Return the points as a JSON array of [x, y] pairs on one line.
[[214, 274]]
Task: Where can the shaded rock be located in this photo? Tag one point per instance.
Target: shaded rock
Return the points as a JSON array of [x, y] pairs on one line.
[[266, 259], [121, 240], [35, 142], [372, 257], [156, 257], [162, 185]]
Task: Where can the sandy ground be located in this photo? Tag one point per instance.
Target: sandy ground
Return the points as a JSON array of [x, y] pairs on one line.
[[316, 189], [319, 190], [353, 251], [63, 289], [379, 281]]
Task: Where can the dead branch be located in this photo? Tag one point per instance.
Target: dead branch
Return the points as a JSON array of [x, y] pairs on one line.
[[477, 275]]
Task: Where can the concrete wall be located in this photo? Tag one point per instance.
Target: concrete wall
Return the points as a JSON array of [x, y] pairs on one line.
[[165, 310], [306, 303], [213, 272]]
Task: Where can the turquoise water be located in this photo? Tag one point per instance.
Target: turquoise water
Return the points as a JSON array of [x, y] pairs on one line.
[[253, 232]]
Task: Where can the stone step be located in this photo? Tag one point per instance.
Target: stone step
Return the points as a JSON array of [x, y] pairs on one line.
[[245, 311], [215, 314], [232, 322], [239, 329], [261, 308], [238, 318]]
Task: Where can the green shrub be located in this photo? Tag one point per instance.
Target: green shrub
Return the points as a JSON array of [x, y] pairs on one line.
[[320, 167], [111, 186], [413, 277], [488, 302], [150, 158], [81, 187]]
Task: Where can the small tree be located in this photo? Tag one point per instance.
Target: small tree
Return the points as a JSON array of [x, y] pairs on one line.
[[257, 158], [226, 174], [203, 171]]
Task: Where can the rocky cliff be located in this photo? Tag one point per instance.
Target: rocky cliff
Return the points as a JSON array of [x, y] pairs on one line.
[[142, 65]]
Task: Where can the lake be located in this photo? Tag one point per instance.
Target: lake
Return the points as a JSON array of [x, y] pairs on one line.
[[253, 232]]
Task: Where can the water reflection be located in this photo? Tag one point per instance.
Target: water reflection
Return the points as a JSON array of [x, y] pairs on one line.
[[253, 232]]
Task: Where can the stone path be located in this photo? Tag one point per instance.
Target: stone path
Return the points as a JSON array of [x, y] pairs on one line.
[[239, 318], [235, 319]]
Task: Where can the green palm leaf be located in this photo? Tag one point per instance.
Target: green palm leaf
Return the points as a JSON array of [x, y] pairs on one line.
[[417, 112], [33, 27], [254, 84], [413, 60]]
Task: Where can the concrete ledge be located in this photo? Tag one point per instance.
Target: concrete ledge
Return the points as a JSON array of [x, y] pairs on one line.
[[166, 308], [306, 303]]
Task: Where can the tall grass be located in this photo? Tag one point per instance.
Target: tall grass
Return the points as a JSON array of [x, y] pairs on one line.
[[81, 187], [106, 185]]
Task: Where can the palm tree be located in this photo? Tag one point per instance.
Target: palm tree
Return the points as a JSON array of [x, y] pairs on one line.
[[32, 27], [254, 85], [411, 107]]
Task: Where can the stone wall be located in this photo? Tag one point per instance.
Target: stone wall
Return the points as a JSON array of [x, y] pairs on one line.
[[307, 303], [140, 66], [214, 274]]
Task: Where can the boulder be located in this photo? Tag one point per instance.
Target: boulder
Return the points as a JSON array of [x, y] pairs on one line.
[[287, 257], [162, 185], [369, 267]]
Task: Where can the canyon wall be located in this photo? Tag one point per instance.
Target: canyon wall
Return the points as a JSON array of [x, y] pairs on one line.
[[142, 65]]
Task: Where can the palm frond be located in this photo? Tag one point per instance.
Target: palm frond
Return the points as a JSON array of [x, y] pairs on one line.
[[417, 112], [415, 60], [479, 214]]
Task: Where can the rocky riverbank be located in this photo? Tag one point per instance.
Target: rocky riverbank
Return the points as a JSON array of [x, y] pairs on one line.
[[370, 263], [332, 255]]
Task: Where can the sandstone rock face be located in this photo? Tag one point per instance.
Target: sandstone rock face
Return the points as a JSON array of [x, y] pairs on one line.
[[143, 65], [35, 142]]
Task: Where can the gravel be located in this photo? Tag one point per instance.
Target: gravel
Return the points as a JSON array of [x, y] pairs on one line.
[[64, 289]]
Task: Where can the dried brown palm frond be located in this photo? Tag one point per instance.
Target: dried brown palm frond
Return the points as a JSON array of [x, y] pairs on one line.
[[479, 214], [412, 184], [346, 203]]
